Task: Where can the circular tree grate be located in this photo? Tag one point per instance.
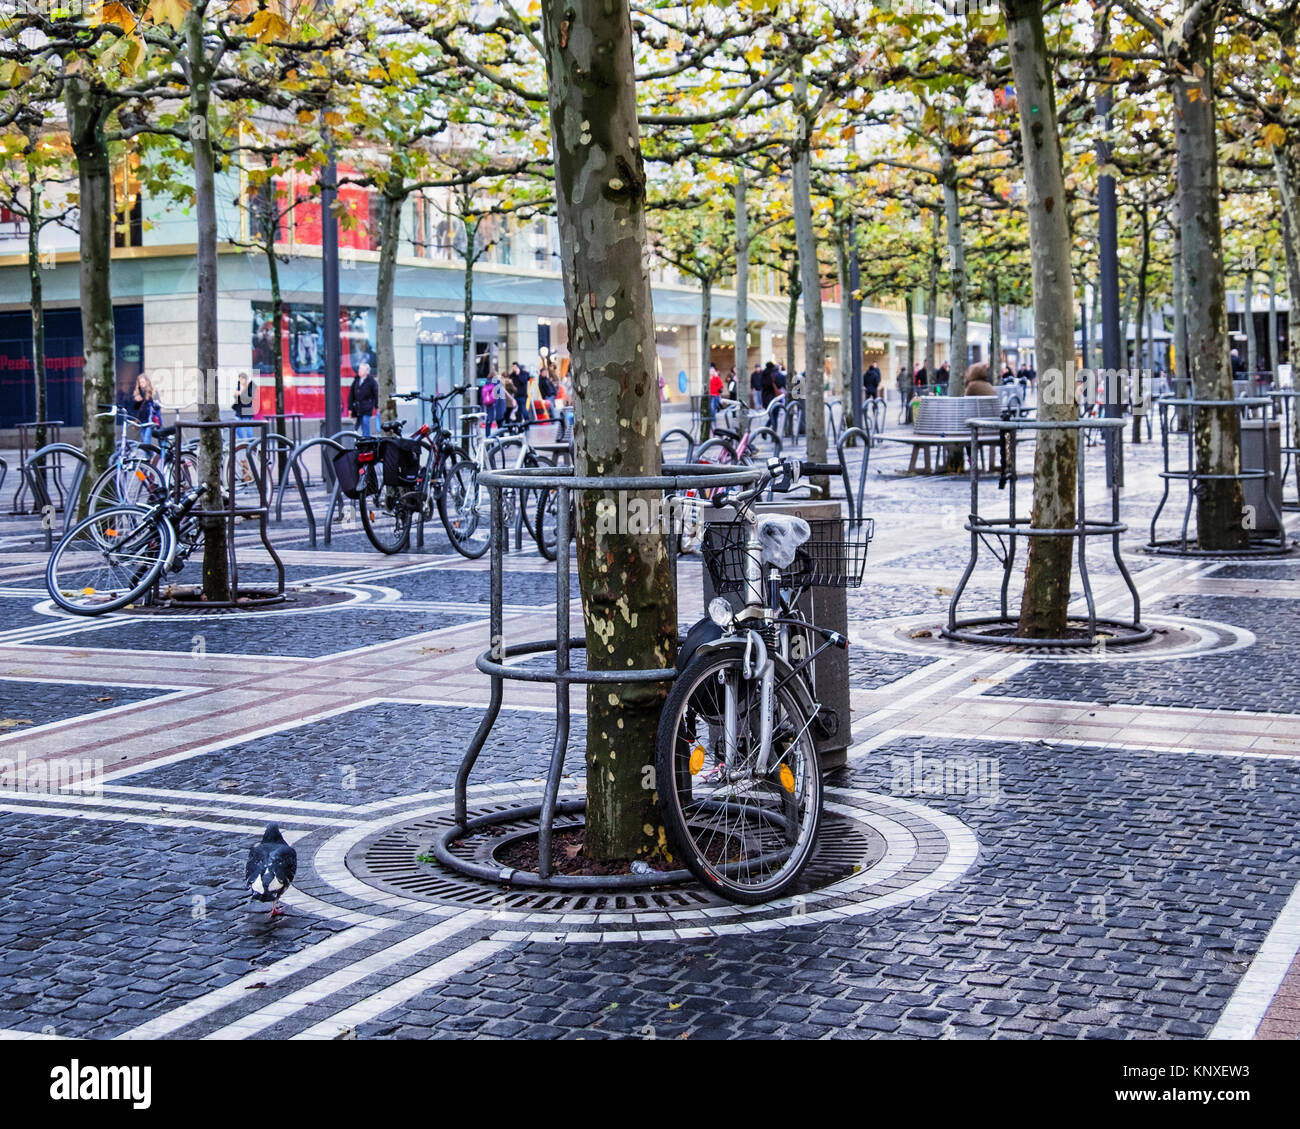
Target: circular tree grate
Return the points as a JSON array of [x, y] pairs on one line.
[[400, 861]]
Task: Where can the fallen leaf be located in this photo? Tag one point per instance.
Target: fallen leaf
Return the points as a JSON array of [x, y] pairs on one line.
[[14, 722]]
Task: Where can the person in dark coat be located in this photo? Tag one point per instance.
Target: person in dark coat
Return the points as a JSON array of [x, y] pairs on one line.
[[767, 384], [363, 398]]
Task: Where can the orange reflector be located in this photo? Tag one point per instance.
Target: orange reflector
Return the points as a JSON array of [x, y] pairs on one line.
[[87, 591], [140, 475], [110, 533], [787, 778], [697, 759]]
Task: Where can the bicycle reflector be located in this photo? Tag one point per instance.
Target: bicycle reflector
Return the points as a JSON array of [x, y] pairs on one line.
[[787, 778], [697, 759]]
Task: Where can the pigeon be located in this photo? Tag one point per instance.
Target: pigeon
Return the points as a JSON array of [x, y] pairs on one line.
[[272, 863]]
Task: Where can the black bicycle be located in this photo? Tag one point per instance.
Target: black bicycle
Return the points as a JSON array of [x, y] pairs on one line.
[[400, 478], [115, 556]]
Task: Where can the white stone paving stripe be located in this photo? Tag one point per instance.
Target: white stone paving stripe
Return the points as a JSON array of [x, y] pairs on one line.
[[344, 978], [397, 994], [214, 1001], [1254, 993]]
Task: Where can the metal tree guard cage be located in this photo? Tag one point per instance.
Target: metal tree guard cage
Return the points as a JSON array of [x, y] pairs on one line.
[[493, 662], [1001, 629], [1182, 545], [1286, 405], [232, 512]]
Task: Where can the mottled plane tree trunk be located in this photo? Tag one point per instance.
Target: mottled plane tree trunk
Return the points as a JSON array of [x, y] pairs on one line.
[[390, 231], [995, 330], [1046, 598], [958, 283], [1219, 516], [814, 370], [628, 600], [87, 112], [216, 562], [932, 301], [38, 302], [1286, 161], [742, 286]]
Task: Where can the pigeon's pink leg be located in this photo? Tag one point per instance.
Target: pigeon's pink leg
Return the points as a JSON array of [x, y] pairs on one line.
[[277, 910]]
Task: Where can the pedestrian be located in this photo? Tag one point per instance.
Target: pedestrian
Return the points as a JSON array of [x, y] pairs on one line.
[[715, 391], [492, 398], [941, 378], [244, 405], [145, 408], [363, 398], [519, 379], [546, 388], [767, 384], [871, 381], [756, 386]]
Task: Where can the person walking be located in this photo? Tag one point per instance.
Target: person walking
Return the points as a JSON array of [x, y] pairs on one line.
[[715, 391], [244, 406], [871, 381], [363, 398], [145, 408]]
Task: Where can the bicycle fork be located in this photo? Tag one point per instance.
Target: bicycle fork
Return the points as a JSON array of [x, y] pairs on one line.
[[756, 665]]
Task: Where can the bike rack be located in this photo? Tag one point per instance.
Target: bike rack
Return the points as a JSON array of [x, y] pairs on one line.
[[855, 502], [999, 630], [53, 438], [232, 512], [679, 433], [299, 470], [493, 662], [1286, 406], [41, 495], [336, 497], [1181, 546]]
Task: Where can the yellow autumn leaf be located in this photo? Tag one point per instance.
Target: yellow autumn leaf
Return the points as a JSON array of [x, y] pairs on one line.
[[117, 14], [1273, 134], [172, 12], [267, 26]]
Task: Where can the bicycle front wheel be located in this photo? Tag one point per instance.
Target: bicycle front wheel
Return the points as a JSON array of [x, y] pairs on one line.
[[109, 560], [465, 509], [384, 515], [744, 830], [132, 482]]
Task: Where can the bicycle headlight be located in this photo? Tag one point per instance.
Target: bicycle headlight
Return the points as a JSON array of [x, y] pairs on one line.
[[720, 611]]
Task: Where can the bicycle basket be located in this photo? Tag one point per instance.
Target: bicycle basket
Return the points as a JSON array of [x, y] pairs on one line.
[[401, 461], [835, 556]]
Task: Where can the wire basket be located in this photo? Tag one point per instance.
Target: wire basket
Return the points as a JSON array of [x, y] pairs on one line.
[[835, 556]]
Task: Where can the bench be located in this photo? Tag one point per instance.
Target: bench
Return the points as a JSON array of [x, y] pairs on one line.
[[940, 423]]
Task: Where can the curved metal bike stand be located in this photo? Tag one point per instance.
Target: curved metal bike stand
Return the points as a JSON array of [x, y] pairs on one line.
[[298, 470], [279, 445], [992, 629], [231, 513], [854, 499], [493, 662], [682, 433], [336, 498], [35, 482], [53, 435], [1183, 546], [1286, 405]]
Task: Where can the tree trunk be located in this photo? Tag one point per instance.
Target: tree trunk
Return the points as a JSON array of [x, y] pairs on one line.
[[1136, 383], [706, 328], [38, 305], [629, 602], [1219, 517], [958, 350], [845, 375], [390, 230], [795, 289], [1044, 604], [1176, 269], [1286, 162], [86, 113], [269, 221], [995, 331], [216, 562], [742, 288], [1272, 315], [1248, 316], [467, 338], [814, 395], [932, 300]]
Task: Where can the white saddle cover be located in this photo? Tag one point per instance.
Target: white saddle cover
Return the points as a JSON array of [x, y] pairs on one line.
[[779, 538]]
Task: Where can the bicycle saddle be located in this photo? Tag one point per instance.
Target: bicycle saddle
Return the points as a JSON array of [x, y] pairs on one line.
[[394, 428], [165, 432], [779, 538], [149, 448]]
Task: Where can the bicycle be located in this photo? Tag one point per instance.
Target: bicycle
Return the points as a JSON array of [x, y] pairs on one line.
[[114, 557], [398, 478], [736, 766], [133, 476]]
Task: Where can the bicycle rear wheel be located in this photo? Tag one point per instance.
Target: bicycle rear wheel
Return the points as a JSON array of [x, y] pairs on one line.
[[384, 515], [132, 482], [546, 523], [745, 835], [108, 560]]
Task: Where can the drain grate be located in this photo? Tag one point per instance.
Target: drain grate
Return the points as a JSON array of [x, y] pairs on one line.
[[391, 862]]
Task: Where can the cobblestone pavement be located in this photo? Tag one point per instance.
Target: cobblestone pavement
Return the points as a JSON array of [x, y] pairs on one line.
[[1101, 844]]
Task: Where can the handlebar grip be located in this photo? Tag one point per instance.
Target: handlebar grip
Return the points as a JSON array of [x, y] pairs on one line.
[[819, 468]]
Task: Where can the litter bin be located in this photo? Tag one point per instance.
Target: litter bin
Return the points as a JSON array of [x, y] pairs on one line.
[[826, 607], [1261, 447]]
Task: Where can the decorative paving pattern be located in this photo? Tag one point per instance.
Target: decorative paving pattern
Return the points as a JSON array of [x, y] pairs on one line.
[[1032, 863]]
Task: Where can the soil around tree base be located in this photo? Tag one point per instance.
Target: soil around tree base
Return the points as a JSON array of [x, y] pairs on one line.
[[566, 855], [188, 599]]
